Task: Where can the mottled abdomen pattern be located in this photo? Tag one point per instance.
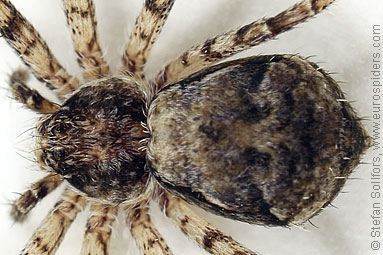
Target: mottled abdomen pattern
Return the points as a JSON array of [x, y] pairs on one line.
[[267, 139]]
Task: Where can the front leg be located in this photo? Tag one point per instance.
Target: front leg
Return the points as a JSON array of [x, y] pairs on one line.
[[33, 50]]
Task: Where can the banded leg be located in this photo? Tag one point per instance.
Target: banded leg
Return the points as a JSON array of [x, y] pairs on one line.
[[146, 30], [208, 237], [27, 96], [99, 229], [82, 22], [28, 200], [147, 237], [51, 232], [232, 42], [33, 50]]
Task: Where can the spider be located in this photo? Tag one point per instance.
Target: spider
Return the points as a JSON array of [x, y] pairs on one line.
[[58, 128]]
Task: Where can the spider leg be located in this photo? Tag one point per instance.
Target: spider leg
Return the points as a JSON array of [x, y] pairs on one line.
[[21, 36], [99, 229], [227, 44], [35, 193], [144, 232], [83, 25], [27, 96], [146, 30], [51, 232], [207, 236]]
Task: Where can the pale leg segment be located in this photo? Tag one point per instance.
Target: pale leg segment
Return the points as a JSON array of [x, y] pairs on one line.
[[147, 237], [227, 44], [146, 30], [83, 28], [198, 229], [99, 229], [32, 49], [51, 232]]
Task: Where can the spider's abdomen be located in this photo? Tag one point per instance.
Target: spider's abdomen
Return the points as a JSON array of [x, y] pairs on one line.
[[267, 139], [93, 140]]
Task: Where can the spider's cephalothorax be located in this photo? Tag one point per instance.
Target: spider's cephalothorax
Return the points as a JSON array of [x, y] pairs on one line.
[[93, 140]]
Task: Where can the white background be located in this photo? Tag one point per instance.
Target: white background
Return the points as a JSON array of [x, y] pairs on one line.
[[340, 38]]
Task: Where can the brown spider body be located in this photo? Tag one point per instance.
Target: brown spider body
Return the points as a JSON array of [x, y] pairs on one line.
[[268, 127], [267, 140]]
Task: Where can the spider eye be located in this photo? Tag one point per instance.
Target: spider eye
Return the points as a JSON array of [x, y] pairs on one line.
[[58, 129], [58, 154], [79, 118]]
